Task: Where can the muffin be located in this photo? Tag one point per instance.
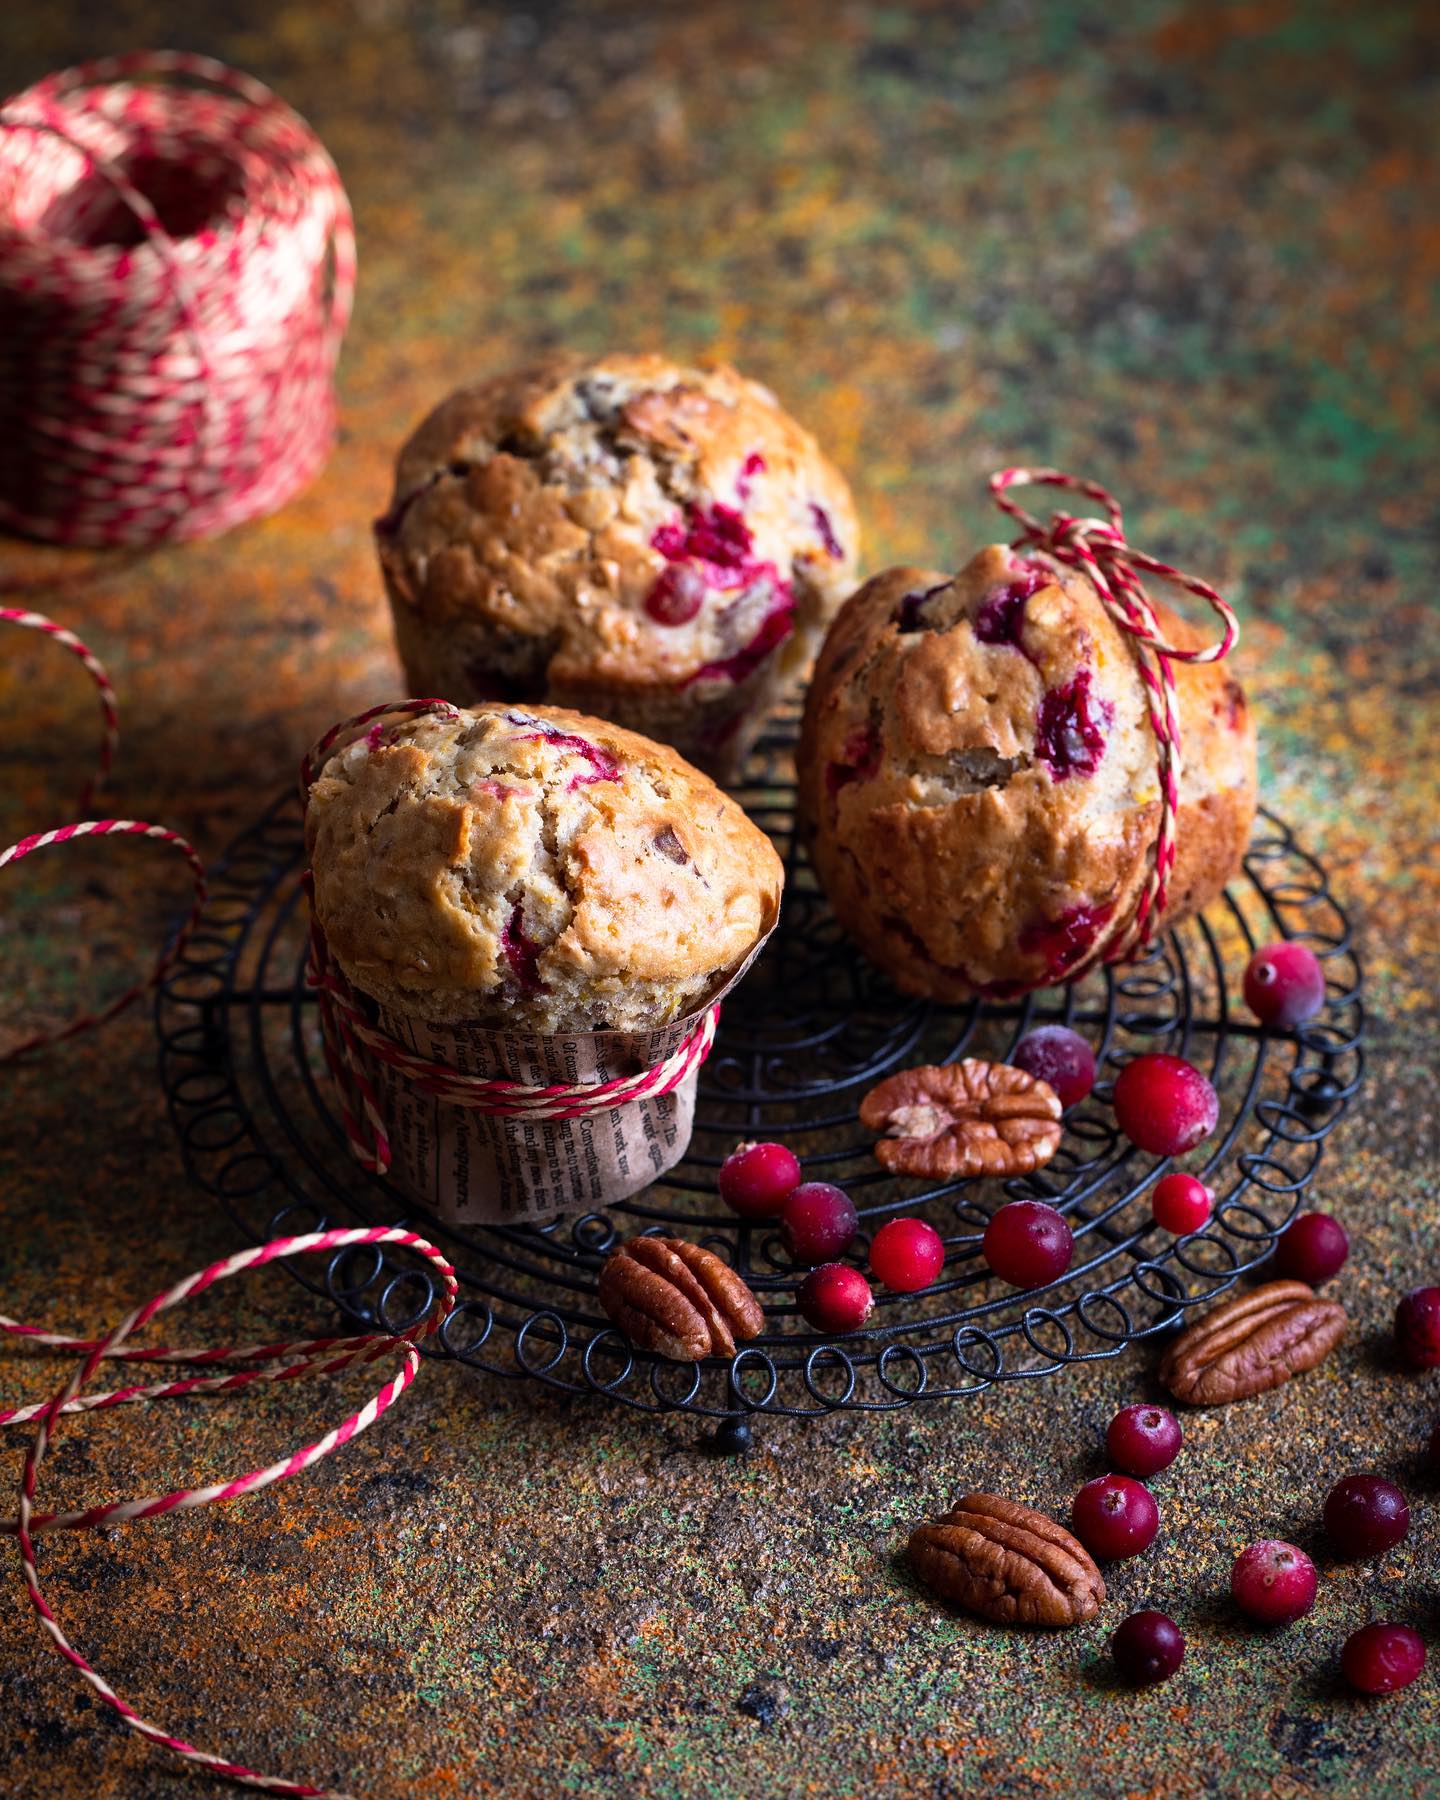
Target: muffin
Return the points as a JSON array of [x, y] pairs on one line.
[[978, 776], [530, 869], [659, 545]]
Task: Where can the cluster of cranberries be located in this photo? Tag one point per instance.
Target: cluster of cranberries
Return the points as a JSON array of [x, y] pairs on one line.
[[1272, 1583], [818, 1223]]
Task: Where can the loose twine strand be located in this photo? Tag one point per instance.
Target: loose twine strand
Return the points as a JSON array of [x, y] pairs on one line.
[[172, 387], [1098, 548]]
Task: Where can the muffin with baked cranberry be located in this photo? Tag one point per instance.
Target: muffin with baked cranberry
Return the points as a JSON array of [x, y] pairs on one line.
[[978, 776], [660, 545]]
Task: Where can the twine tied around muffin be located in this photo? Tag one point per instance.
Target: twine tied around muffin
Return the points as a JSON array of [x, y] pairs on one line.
[[1099, 549], [177, 262], [348, 1030]]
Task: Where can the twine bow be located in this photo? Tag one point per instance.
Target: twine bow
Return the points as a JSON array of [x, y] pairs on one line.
[[1098, 548]]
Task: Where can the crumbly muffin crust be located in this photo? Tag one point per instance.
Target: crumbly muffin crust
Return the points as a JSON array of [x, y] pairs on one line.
[[659, 544], [978, 775], [533, 869]]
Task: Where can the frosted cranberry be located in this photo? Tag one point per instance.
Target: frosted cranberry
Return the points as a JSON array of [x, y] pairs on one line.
[[1143, 1440], [1147, 1647], [906, 1255], [1061, 1057], [755, 1179], [1164, 1104], [1417, 1327], [1114, 1517], [1180, 1203], [1378, 1659], [818, 1222], [1312, 1248], [1284, 984], [1364, 1516], [835, 1298], [1028, 1244], [1070, 730], [1273, 1582]]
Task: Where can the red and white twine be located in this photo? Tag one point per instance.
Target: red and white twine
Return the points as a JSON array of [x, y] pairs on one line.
[[1099, 549], [164, 381]]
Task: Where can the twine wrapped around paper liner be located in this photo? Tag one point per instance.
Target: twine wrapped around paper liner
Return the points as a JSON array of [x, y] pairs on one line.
[[276, 1362], [1098, 548], [351, 1031], [177, 263], [91, 828]]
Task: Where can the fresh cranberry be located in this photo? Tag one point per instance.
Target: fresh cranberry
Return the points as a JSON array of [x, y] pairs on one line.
[[1365, 1516], [1180, 1203], [1060, 1057], [1417, 1327], [1164, 1104], [1070, 730], [818, 1222], [1143, 1440], [907, 1255], [1284, 984], [755, 1179], [1114, 1517], [1028, 1244], [1379, 1658], [835, 1298], [1273, 1582], [1147, 1647], [1312, 1248]]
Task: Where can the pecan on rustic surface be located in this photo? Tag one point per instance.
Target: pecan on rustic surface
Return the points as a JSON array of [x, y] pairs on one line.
[[1007, 1563], [677, 1299], [965, 1118], [1252, 1343]]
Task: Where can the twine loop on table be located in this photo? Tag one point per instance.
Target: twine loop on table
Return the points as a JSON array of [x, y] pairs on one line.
[[348, 1030], [177, 263], [1099, 549], [318, 1356]]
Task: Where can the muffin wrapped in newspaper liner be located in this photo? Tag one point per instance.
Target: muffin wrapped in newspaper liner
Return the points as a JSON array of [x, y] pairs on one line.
[[527, 895]]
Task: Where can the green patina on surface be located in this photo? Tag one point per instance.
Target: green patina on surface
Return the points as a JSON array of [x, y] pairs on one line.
[[1186, 248]]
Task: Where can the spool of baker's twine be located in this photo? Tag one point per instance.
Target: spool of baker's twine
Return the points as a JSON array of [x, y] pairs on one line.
[[1099, 549], [177, 262], [271, 1362]]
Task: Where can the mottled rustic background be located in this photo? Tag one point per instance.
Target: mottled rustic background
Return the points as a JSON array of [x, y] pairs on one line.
[[1188, 247]]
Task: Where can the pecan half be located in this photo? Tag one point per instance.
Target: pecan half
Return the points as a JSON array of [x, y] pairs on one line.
[[1252, 1343], [1007, 1563], [677, 1299], [965, 1118]]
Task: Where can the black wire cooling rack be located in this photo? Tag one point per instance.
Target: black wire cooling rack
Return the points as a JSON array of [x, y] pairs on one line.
[[803, 1038]]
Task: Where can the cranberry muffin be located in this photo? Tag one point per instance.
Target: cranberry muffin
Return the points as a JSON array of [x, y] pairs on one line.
[[978, 777], [663, 546], [532, 869]]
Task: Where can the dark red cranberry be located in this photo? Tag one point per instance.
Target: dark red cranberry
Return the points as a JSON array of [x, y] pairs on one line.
[[1143, 1440], [603, 766], [1063, 941], [753, 465], [1180, 1203], [818, 1222], [1001, 618], [835, 1298], [756, 1179], [522, 953], [1164, 1105], [1378, 1659], [858, 760], [677, 596], [908, 614], [1284, 984], [1028, 1244], [833, 546], [1312, 1248], [1061, 1057], [1417, 1327], [771, 632], [1147, 1647], [1273, 1582], [1070, 730], [1114, 1517], [1365, 1516], [907, 1255]]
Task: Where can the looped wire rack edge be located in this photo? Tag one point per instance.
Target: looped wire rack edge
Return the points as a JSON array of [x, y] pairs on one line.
[[800, 1042]]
